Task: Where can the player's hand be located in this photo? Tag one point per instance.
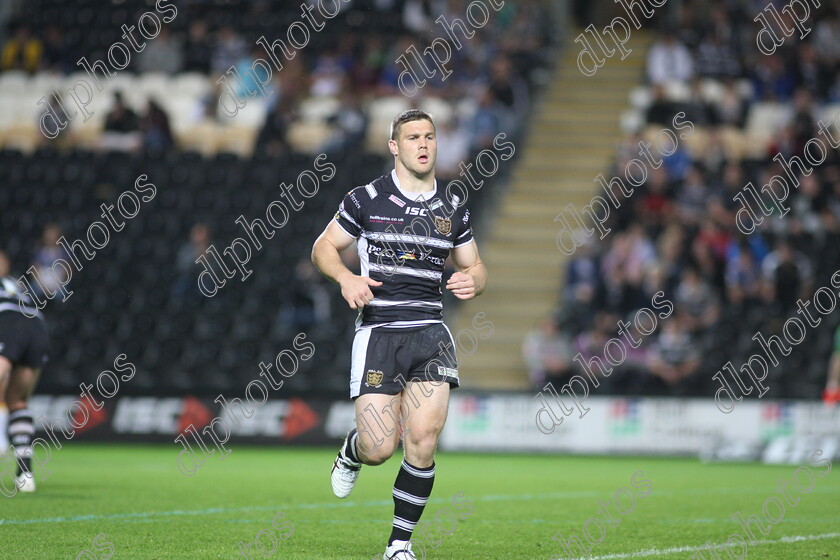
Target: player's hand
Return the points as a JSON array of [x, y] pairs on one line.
[[356, 290], [462, 285]]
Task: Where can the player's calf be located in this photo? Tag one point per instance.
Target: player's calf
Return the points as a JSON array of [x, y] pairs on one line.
[[420, 445]]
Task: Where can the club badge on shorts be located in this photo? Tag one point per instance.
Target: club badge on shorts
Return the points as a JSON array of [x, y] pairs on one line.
[[443, 225], [373, 378]]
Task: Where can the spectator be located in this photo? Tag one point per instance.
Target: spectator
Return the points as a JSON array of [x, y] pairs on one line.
[[63, 137], [743, 278], [308, 303], [772, 80], [731, 109], [809, 73], [390, 73], [508, 90], [583, 276], [121, 118], [184, 288], [654, 204], [661, 110], [709, 249], [121, 131], [46, 254], [58, 54], [669, 60], [825, 40], [692, 197], [670, 259], [451, 134], [272, 139], [715, 59], [698, 302], [488, 119], [786, 275], [808, 204], [673, 354], [250, 82], [624, 266], [22, 51], [678, 163], [157, 136], [328, 75], [367, 66], [164, 54], [230, 49], [715, 156], [419, 16], [590, 343], [548, 353], [198, 49], [696, 108], [803, 120], [349, 125]]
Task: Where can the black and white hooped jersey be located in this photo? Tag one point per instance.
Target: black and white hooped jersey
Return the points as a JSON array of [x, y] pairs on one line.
[[403, 241], [12, 298]]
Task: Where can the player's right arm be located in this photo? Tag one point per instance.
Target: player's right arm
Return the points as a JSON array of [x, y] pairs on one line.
[[326, 256]]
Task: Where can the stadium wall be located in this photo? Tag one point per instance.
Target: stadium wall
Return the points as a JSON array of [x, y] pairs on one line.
[[495, 422]]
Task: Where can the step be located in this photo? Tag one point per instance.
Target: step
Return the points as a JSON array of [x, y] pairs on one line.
[[571, 141]]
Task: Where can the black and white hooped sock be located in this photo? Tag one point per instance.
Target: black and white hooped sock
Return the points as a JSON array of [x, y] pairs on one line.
[[21, 432], [411, 492]]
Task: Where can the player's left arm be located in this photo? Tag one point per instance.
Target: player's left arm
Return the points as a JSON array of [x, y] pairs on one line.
[[471, 277]]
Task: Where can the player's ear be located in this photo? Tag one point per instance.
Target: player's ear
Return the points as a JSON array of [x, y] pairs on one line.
[[392, 147]]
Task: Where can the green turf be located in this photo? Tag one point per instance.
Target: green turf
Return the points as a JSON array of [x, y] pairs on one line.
[[137, 497]]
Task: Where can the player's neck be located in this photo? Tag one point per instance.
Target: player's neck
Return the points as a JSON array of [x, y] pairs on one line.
[[411, 183]]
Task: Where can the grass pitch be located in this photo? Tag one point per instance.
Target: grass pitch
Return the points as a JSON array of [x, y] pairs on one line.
[[147, 509]]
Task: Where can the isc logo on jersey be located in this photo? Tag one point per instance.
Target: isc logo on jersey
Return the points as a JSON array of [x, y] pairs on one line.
[[414, 211]]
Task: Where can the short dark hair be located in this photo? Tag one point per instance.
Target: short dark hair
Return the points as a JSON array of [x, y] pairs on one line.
[[408, 116]]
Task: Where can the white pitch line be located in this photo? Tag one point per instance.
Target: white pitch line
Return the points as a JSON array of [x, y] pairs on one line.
[[372, 503], [667, 551]]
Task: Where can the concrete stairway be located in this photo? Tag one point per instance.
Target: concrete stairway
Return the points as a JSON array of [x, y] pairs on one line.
[[572, 139]]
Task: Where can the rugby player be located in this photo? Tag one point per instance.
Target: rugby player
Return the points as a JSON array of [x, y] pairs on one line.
[[403, 361], [24, 350]]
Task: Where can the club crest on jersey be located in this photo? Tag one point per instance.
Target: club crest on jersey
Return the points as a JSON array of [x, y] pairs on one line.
[[373, 378], [396, 200], [443, 225]]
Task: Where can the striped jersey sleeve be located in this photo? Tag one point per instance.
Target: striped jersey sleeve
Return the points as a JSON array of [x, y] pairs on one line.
[[350, 213], [464, 232]]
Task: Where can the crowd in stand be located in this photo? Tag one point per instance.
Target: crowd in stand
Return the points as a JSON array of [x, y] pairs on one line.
[[677, 233], [353, 60]]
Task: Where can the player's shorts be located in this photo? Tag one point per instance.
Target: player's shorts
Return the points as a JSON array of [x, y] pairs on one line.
[[385, 358], [24, 340]]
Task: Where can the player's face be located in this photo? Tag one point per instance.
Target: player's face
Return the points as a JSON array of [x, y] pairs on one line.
[[416, 147]]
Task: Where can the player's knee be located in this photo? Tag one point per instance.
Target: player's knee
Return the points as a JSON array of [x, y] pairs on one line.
[[380, 453]]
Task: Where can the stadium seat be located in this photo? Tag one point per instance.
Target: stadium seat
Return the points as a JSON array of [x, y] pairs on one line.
[[319, 109], [640, 98], [14, 83]]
